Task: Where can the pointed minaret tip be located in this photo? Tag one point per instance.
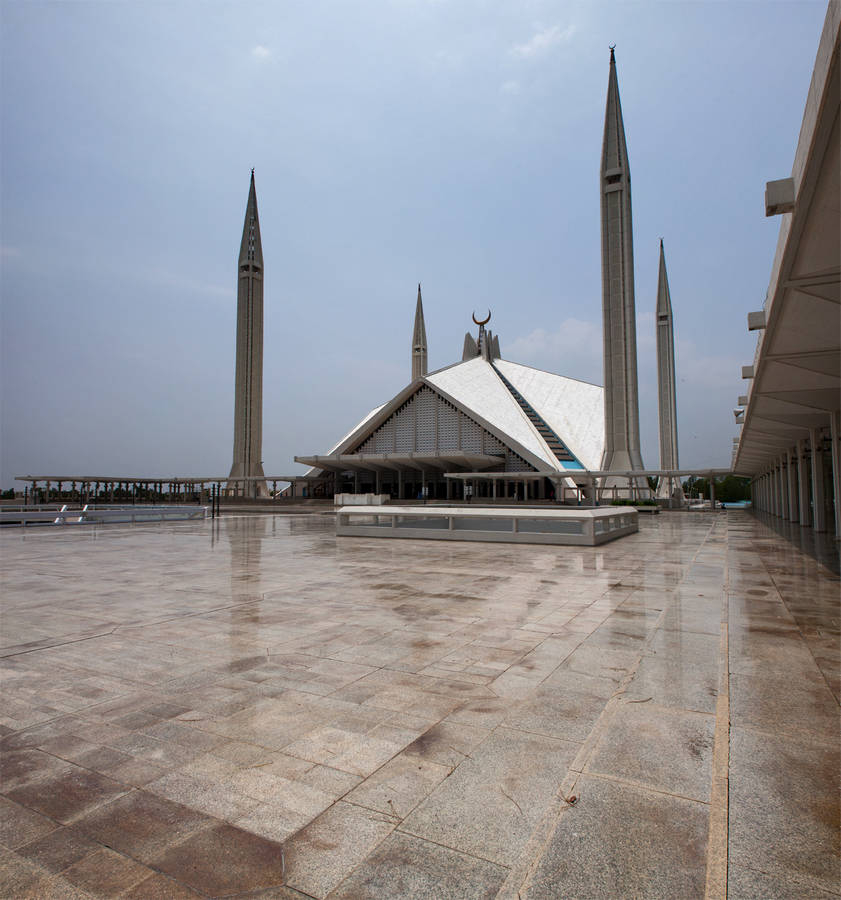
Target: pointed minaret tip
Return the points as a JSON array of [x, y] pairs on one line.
[[419, 353], [251, 248], [612, 57]]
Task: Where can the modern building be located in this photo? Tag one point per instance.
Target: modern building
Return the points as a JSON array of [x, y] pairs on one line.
[[790, 413], [491, 416], [248, 397], [483, 414]]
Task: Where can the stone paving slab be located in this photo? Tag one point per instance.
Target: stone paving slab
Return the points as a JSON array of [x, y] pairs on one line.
[[252, 707]]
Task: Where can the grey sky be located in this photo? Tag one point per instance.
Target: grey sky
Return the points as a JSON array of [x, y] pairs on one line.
[[453, 143]]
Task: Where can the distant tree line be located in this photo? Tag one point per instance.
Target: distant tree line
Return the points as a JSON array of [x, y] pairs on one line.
[[730, 489]]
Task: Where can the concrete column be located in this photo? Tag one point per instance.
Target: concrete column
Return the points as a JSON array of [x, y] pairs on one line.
[[775, 476], [802, 484], [818, 512], [835, 432], [712, 492], [793, 513], [783, 479]]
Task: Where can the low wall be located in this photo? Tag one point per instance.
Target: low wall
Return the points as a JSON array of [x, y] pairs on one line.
[[587, 527], [360, 499]]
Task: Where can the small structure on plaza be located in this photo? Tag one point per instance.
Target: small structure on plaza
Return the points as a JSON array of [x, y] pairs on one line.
[[248, 398], [510, 525], [483, 414]]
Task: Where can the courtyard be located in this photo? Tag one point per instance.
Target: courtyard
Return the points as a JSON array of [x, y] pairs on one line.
[[252, 707]]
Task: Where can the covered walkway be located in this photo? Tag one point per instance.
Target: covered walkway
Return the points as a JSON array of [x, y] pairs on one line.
[[791, 412]]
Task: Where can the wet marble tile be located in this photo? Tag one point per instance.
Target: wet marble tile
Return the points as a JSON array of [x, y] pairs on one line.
[[398, 787], [447, 743], [68, 795], [19, 825], [142, 825], [657, 747], [104, 873], [602, 662], [749, 884], [222, 860], [407, 868], [565, 706], [681, 682], [19, 877], [493, 800], [776, 705], [659, 850], [159, 887], [784, 811], [272, 821], [20, 767], [221, 800], [332, 782], [59, 849], [320, 856]]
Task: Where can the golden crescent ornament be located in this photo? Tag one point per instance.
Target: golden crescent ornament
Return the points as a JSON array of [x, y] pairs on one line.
[[484, 321]]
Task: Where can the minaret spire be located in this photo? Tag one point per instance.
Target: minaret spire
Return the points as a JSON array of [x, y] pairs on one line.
[[667, 488], [419, 363], [248, 392], [622, 441]]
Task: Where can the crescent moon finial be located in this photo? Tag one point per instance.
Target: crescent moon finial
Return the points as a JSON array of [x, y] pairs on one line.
[[484, 321]]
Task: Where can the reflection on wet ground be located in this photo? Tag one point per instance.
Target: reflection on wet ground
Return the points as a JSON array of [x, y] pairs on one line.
[[251, 705]]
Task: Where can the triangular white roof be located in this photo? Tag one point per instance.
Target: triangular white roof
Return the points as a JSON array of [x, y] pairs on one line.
[[573, 409]]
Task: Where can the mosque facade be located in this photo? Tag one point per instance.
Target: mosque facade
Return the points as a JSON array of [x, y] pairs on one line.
[[483, 414], [502, 420]]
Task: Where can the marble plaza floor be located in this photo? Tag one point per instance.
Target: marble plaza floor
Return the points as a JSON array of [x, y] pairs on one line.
[[253, 707]]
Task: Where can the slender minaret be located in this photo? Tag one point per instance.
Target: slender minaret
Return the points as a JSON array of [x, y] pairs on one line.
[[248, 400], [419, 365], [621, 404], [667, 488]]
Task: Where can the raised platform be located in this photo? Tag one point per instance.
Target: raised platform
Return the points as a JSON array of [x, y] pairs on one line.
[[587, 527], [100, 515]]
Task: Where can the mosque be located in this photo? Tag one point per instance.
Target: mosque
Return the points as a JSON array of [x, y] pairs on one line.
[[491, 428], [483, 414]]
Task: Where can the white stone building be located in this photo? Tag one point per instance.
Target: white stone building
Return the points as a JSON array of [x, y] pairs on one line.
[[483, 414]]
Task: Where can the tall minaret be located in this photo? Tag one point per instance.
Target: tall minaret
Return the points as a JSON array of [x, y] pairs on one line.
[[621, 404], [419, 364], [248, 400], [667, 488]]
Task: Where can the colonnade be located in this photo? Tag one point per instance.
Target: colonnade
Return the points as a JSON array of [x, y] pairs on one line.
[[803, 484]]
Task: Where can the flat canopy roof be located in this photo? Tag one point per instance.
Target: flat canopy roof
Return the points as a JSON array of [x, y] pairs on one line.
[[592, 473], [795, 380], [401, 462], [165, 479]]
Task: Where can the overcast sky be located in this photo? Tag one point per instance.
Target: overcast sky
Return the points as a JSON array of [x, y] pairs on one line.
[[453, 143]]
